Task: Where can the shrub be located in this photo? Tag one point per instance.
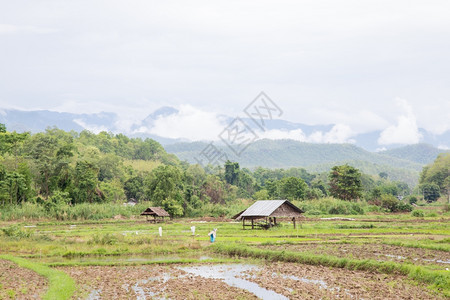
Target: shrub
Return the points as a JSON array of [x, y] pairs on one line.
[[412, 200], [331, 206], [15, 231], [418, 213], [404, 207]]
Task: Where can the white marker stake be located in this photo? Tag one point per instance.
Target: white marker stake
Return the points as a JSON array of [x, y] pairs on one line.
[[160, 231], [193, 230]]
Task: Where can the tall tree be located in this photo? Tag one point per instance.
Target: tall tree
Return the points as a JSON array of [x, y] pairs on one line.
[[345, 182], [438, 173], [232, 172]]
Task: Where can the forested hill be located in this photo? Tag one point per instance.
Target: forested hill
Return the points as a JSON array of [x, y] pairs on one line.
[[404, 164], [290, 153], [420, 153]]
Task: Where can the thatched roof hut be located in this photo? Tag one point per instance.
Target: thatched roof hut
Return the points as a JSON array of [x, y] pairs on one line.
[[158, 214], [269, 210]]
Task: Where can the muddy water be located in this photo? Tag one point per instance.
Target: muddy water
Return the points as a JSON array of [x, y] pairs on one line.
[[229, 274]]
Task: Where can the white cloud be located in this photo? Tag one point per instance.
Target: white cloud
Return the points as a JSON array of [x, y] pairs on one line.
[[405, 131], [189, 123], [340, 133], [93, 128], [277, 134]]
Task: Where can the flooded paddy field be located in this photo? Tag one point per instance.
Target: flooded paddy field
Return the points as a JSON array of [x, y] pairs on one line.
[[240, 281], [376, 251], [320, 259]]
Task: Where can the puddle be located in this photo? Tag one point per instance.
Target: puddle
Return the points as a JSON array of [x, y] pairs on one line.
[[229, 274], [394, 256], [145, 293], [437, 260], [94, 295], [440, 261], [321, 283]]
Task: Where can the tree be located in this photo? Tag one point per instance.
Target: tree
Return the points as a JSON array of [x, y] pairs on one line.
[[438, 173], [86, 183], [430, 191], [232, 172], [134, 188], [261, 195], [292, 188], [162, 183], [345, 182]]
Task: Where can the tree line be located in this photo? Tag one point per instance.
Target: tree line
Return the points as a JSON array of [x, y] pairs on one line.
[[55, 167]]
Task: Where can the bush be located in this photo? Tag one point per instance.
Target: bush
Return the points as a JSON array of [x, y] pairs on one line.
[[389, 202], [418, 213], [331, 206], [404, 207], [412, 200], [15, 231]]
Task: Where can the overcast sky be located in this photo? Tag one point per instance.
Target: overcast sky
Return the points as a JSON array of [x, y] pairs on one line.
[[363, 65]]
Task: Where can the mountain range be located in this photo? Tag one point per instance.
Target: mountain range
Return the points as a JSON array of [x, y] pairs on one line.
[[39, 120]]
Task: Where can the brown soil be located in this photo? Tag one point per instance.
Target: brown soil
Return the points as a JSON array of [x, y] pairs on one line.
[[328, 283], [154, 281], [382, 252], [312, 282], [20, 283]]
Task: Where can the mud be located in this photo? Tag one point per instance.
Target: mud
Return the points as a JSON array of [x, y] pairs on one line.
[[296, 281], [207, 281], [379, 252], [149, 282], [20, 283]]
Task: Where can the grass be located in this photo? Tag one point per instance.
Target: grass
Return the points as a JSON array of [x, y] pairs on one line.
[[61, 286]]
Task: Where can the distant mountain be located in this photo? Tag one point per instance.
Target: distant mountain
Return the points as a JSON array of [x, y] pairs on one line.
[[420, 153], [320, 157], [290, 153], [36, 121]]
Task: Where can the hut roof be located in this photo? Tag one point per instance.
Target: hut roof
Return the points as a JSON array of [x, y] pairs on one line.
[[271, 208], [155, 211]]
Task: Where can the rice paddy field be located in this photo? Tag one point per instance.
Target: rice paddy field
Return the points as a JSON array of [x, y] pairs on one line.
[[363, 257]]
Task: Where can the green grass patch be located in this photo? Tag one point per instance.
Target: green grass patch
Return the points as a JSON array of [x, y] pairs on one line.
[[61, 285], [140, 263]]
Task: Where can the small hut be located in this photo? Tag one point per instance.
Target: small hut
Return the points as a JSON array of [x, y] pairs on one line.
[[269, 210], [158, 214]]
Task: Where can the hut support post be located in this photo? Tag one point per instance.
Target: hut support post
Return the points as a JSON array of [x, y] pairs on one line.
[[293, 220], [275, 221], [253, 226], [243, 223]]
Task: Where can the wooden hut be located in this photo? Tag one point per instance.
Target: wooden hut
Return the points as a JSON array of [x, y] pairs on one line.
[[269, 211], [158, 214]]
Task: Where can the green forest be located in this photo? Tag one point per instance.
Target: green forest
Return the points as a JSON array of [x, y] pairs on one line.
[[71, 175]]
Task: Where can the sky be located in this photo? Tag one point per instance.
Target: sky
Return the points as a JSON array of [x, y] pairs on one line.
[[362, 65]]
